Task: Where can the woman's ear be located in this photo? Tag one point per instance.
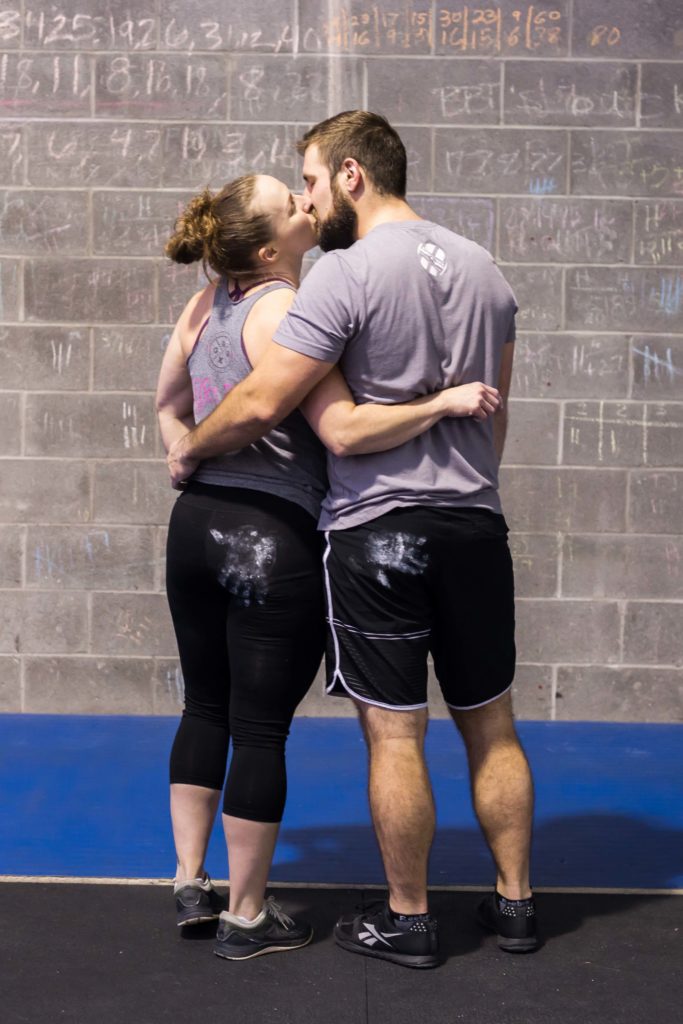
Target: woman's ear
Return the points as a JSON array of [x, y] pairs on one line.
[[268, 254]]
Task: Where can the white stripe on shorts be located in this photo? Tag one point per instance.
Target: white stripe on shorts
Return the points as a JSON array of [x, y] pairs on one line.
[[332, 622], [380, 636]]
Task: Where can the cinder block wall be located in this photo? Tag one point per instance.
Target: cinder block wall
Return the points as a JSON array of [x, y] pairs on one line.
[[550, 133]]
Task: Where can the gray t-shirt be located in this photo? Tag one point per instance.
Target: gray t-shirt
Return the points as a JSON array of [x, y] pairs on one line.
[[409, 309]]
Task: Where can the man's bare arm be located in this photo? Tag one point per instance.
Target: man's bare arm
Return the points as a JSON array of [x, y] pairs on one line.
[[272, 390], [500, 419]]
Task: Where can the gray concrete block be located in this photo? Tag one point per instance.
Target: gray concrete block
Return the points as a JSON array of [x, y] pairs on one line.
[[628, 298], [569, 500], [132, 492], [298, 88], [195, 155], [10, 422], [168, 688], [436, 91], [32, 486], [227, 25], [160, 544], [661, 99], [38, 84], [11, 555], [533, 433], [619, 694], [656, 502], [12, 157], [648, 28], [605, 434], [659, 231], [132, 624], [54, 357], [664, 429], [652, 633], [176, 285], [134, 223], [89, 686], [92, 426], [10, 686], [139, 86], [628, 163], [10, 29], [108, 155], [538, 291], [357, 27], [43, 622], [508, 29], [473, 218], [128, 358], [570, 366], [42, 223], [418, 143], [657, 367], [108, 24], [622, 567], [536, 561], [570, 93], [622, 434], [10, 289], [578, 632], [90, 291], [90, 557], [532, 692], [565, 230], [476, 160]]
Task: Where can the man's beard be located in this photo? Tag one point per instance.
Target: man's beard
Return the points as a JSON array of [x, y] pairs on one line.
[[338, 230]]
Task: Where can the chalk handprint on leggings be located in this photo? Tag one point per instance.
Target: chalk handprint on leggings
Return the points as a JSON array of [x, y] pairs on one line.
[[248, 559]]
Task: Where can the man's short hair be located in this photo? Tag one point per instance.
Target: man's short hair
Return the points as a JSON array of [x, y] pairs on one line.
[[367, 138]]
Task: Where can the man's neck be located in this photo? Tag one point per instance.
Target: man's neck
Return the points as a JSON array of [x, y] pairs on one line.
[[384, 211]]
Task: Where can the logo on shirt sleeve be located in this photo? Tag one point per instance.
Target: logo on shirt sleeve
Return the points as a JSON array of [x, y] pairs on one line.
[[432, 258]]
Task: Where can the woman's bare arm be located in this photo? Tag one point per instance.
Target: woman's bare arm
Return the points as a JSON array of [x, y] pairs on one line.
[[174, 399]]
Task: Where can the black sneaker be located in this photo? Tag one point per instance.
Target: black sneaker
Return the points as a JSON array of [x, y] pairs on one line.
[[272, 931], [197, 901], [513, 921], [375, 933]]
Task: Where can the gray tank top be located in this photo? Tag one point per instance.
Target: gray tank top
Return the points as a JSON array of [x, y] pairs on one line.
[[290, 460]]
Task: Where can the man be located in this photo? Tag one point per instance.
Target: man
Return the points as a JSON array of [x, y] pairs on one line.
[[416, 557]]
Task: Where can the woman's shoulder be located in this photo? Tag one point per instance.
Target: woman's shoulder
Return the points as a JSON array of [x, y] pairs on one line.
[[272, 303]]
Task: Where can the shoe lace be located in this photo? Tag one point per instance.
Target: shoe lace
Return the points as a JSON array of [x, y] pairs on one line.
[[273, 908]]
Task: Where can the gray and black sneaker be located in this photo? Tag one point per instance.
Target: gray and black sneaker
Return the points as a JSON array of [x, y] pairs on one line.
[[272, 931], [376, 932], [196, 900], [513, 921]]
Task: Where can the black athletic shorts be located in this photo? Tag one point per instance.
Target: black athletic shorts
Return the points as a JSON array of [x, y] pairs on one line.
[[417, 580]]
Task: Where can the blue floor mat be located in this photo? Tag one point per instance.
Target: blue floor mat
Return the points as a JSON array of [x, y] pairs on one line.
[[87, 796]]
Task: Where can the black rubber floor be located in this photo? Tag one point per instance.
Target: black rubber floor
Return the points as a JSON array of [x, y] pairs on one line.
[[99, 954]]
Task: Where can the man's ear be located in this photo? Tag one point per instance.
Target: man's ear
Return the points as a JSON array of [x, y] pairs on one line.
[[351, 175]]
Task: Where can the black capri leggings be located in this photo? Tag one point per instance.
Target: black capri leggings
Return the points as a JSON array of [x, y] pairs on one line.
[[243, 577]]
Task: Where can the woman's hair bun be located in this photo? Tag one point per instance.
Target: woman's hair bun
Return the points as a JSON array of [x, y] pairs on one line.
[[194, 230]]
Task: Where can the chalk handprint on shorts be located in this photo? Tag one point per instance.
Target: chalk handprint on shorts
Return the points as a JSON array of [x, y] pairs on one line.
[[397, 551]]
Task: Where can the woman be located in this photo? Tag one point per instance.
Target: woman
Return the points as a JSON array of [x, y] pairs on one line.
[[243, 560]]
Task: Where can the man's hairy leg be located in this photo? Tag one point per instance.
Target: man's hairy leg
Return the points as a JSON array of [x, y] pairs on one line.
[[401, 801], [502, 790]]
